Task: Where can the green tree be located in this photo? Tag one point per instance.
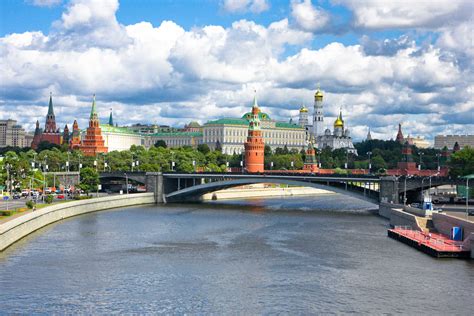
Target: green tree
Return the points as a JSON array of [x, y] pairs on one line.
[[461, 163], [203, 148], [89, 180]]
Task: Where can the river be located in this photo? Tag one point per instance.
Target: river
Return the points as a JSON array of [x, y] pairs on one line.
[[300, 255]]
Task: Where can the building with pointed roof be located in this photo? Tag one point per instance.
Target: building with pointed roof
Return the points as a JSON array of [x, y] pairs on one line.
[[303, 117], [400, 137], [111, 119], [75, 142], [254, 146], [369, 136], [93, 142], [50, 133]]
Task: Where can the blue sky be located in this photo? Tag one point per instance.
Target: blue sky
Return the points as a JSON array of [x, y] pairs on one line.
[[170, 62]]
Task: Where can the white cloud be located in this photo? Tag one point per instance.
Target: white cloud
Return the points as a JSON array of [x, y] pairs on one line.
[[45, 3], [241, 6], [307, 16], [378, 14], [170, 75]]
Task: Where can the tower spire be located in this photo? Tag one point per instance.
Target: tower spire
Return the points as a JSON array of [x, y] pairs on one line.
[[93, 112], [111, 120], [255, 104], [50, 107]]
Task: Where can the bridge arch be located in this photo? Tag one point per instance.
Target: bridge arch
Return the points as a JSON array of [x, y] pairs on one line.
[[196, 191]]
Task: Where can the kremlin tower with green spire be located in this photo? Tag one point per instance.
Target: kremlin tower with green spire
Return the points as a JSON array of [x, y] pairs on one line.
[[93, 142], [50, 133], [254, 146]]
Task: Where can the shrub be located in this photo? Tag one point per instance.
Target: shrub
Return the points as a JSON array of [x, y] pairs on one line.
[[7, 213], [49, 199], [30, 204]]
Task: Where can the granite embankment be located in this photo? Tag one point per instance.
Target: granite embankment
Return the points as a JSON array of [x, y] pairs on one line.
[[19, 227]]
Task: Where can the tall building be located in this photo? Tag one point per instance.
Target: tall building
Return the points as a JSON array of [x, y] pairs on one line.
[[12, 134], [66, 135], [440, 141], [318, 116], [254, 146], [400, 137], [93, 142], [310, 163], [50, 133], [75, 142], [303, 118], [369, 136]]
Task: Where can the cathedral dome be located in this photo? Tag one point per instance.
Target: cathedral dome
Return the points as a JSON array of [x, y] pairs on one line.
[[327, 132], [303, 109], [339, 122], [318, 94]]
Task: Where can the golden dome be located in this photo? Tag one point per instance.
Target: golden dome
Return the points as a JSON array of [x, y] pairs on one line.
[[318, 94], [303, 109], [339, 122]]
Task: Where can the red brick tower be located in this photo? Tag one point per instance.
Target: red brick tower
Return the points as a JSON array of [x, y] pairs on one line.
[[50, 133], [75, 142], [254, 146], [407, 164], [400, 137], [310, 163], [93, 142]]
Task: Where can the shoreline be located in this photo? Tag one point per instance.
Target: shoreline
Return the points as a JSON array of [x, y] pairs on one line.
[[235, 194]]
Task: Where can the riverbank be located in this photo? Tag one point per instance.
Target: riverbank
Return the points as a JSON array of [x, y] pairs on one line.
[[254, 192], [21, 226]]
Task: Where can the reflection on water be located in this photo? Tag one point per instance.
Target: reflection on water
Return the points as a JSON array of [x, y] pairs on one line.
[[297, 255]]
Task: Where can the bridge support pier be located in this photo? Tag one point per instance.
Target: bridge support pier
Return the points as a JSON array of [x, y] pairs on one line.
[[389, 190], [154, 183]]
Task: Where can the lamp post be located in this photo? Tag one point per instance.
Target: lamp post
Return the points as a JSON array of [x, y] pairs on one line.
[[67, 162], [137, 163], [405, 191], [421, 160], [126, 181], [271, 165], [437, 156], [194, 165], [369, 153], [347, 160], [467, 197]]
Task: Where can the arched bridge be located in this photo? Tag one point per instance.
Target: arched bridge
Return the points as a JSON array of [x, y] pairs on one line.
[[181, 187]]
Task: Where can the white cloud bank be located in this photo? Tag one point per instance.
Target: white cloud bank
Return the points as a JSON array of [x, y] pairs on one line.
[[170, 75]]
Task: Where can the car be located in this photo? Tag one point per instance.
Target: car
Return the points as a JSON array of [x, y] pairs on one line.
[[60, 196], [16, 196], [25, 193]]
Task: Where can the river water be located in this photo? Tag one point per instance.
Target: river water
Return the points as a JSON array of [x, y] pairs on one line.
[[304, 255]]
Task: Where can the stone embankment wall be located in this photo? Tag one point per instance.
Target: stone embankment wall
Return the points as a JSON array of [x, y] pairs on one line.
[[443, 224], [17, 228], [397, 216]]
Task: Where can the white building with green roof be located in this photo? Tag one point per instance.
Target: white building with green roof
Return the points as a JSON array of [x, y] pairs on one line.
[[231, 133]]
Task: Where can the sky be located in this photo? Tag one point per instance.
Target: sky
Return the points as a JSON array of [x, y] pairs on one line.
[[174, 61]]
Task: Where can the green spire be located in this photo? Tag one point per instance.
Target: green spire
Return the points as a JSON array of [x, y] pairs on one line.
[[50, 108], [111, 120], [93, 113], [255, 105]]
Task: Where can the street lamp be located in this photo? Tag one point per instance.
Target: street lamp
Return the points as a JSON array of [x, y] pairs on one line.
[[347, 159], [194, 165], [467, 197], [437, 156], [242, 165], [370, 165], [405, 191], [172, 165], [126, 181], [271, 165], [421, 160]]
